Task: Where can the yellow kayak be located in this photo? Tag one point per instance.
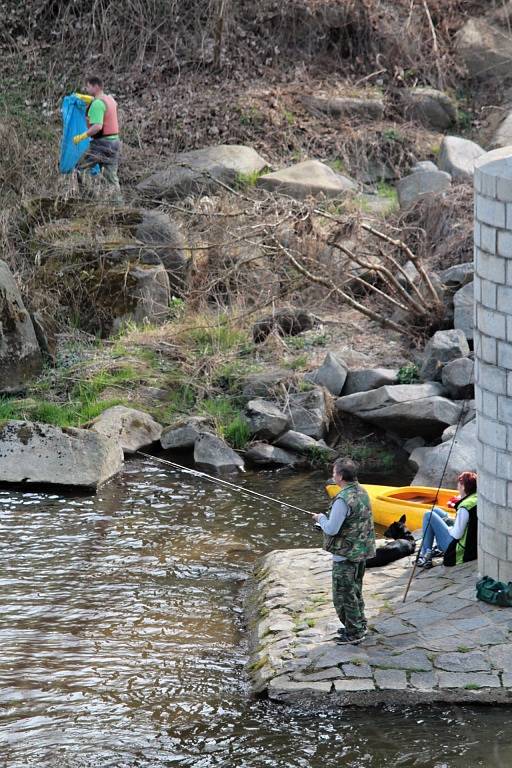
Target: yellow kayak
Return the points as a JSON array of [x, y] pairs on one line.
[[389, 504]]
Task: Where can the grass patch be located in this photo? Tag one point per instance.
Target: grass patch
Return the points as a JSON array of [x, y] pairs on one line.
[[463, 649], [247, 180], [408, 374], [208, 341], [297, 363], [227, 419], [472, 687], [310, 622]]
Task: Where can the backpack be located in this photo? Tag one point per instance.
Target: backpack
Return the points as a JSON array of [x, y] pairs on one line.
[[494, 592]]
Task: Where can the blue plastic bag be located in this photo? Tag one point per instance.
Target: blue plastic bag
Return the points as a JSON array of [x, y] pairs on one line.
[[73, 122]]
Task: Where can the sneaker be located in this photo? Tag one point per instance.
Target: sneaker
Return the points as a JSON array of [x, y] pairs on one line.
[[436, 552], [345, 639], [425, 561]]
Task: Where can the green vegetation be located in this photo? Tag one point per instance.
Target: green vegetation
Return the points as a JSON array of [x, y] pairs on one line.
[[251, 117], [310, 622], [472, 687], [256, 665], [408, 374], [247, 180], [210, 340], [463, 649], [296, 363], [388, 192], [318, 456], [337, 165], [303, 342], [227, 419], [392, 134]]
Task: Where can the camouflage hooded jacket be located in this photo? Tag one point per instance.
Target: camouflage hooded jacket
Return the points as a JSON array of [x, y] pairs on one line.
[[356, 538]]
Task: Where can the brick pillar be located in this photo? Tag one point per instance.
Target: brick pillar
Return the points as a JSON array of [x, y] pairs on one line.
[[493, 360]]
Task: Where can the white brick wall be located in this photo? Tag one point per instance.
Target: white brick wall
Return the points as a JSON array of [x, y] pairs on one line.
[[493, 360]]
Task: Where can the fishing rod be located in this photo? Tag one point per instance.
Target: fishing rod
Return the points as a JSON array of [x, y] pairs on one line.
[[463, 412], [224, 483]]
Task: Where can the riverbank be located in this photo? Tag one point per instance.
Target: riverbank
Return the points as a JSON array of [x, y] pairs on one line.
[[442, 645]]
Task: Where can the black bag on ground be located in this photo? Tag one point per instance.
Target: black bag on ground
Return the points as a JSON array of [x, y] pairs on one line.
[[494, 592]]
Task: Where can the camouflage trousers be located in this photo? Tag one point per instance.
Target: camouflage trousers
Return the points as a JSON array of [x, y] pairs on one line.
[[347, 595]]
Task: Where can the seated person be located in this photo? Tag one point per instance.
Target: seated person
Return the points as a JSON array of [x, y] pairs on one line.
[[456, 538]]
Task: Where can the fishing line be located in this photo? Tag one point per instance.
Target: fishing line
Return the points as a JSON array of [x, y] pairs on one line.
[[223, 483]]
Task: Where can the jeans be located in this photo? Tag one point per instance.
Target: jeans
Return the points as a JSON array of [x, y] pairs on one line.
[[436, 525]]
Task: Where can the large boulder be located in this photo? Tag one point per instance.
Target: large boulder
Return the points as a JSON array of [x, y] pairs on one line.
[[430, 107], [458, 275], [161, 236], [457, 157], [300, 443], [424, 165], [430, 463], [421, 183], [268, 455], [463, 310], [214, 455], [502, 136], [332, 374], [307, 179], [267, 384], [39, 453], [143, 294], [266, 421], [183, 436], [20, 355], [485, 50], [408, 410], [128, 427], [440, 349], [364, 108], [364, 379], [198, 171], [309, 413], [287, 322], [459, 379]]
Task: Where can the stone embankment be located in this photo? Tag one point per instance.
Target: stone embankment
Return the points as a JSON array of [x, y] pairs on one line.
[[440, 645]]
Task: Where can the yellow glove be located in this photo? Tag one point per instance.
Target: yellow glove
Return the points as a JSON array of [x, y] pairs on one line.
[[85, 97], [80, 137]]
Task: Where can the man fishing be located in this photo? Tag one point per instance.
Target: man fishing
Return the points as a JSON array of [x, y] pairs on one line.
[[103, 130], [349, 536]]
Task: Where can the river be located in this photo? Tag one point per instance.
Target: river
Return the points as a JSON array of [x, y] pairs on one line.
[[123, 644]]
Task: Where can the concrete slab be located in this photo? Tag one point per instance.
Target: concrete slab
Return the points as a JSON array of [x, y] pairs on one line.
[[441, 645]]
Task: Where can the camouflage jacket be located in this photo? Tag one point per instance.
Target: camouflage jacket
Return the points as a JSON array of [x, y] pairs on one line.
[[356, 538]]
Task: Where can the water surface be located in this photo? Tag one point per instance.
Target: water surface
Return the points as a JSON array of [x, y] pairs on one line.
[[123, 644]]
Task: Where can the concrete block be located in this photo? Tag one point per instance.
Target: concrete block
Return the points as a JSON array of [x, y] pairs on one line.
[[490, 405], [490, 377], [477, 234], [492, 433], [479, 398], [490, 267], [488, 186], [505, 410], [490, 211], [503, 189], [493, 541], [491, 322], [487, 239], [487, 564], [504, 247], [490, 458], [505, 355], [504, 299], [493, 488], [504, 570], [508, 207], [488, 349], [488, 295], [487, 512], [503, 519], [477, 289]]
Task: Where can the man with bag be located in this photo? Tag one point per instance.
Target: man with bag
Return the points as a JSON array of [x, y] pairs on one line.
[[103, 130], [349, 536]]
